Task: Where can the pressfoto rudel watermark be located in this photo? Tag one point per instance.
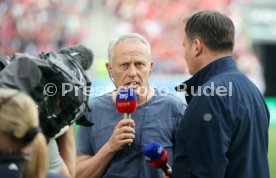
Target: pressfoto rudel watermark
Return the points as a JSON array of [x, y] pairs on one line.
[[50, 89]]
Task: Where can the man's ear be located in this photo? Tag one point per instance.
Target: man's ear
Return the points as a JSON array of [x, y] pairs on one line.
[[109, 69], [197, 47], [151, 65]]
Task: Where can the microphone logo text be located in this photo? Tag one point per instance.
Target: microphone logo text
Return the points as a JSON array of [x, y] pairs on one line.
[[160, 149], [124, 104], [123, 96]]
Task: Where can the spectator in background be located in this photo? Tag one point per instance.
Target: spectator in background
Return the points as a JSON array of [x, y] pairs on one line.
[[99, 148], [222, 134], [22, 145], [35, 26]]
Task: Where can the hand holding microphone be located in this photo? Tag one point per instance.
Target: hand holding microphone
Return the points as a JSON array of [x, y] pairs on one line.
[[126, 102], [124, 132], [157, 156]]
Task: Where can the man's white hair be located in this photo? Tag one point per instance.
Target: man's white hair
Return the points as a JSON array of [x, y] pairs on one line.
[[127, 37]]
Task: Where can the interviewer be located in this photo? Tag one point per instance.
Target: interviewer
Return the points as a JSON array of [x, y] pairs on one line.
[[224, 133]]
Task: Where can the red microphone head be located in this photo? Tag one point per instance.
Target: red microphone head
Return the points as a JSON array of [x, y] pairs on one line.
[[156, 155], [126, 101]]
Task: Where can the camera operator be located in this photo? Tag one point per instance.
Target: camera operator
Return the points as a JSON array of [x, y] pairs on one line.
[[62, 149], [57, 113], [4, 61], [61, 154]]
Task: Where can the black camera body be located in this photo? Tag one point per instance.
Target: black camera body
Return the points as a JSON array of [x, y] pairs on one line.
[[4, 61], [60, 107]]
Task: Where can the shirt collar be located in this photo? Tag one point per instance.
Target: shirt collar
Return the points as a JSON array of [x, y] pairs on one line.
[[218, 66]]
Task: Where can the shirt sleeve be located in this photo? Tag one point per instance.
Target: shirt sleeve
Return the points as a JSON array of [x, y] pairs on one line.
[[83, 141], [179, 116], [208, 136], [55, 162]]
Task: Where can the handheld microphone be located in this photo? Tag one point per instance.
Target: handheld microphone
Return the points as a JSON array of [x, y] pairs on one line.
[[157, 156], [126, 102]]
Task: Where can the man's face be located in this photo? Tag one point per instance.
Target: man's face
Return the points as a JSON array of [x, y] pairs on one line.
[[191, 54], [131, 65], [188, 53]]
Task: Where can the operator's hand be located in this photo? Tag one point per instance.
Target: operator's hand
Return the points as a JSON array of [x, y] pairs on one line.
[[123, 134]]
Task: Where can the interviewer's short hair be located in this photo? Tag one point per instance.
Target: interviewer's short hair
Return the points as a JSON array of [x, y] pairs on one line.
[[216, 30], [127, 37]]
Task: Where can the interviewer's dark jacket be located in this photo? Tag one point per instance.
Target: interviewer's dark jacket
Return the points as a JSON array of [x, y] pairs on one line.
[[225, 134]]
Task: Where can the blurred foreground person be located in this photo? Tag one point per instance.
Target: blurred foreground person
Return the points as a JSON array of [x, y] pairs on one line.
[[22, 145], [224, 133]]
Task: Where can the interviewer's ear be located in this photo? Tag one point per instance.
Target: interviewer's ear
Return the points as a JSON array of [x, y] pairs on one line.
[[197, 47], [151, 66]]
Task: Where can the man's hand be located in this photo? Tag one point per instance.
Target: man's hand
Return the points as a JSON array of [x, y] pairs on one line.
[[123, 134], [169, 173], [88, 166]]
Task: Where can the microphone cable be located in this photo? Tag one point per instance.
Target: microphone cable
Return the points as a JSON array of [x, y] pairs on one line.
[[140, 137], [141, 133]]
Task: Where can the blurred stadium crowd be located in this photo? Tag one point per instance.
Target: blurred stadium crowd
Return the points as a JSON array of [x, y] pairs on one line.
[[33, 26], [161, 23]]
